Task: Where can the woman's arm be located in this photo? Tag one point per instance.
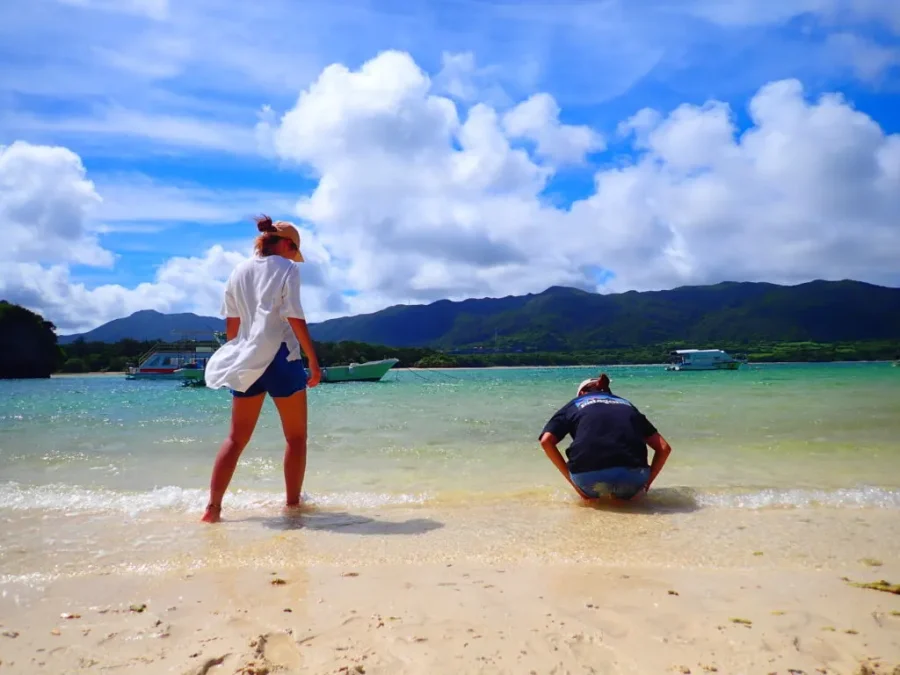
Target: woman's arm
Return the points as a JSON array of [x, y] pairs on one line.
[[302, 332], [232, 326]]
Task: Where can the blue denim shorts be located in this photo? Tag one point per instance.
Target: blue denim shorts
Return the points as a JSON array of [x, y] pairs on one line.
[[620, 482], [281, 379]]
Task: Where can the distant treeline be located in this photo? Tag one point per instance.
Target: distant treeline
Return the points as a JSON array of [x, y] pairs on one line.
[[765, 352], [82, 357], [85, 357]]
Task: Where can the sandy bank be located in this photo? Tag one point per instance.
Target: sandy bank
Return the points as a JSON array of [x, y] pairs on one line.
[[454, 619]]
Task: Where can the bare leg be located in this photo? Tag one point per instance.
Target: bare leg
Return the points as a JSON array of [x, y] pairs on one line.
[[244, 415], [292, 410]]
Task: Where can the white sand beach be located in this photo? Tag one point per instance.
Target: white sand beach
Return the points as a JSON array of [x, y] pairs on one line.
[[456, 619]]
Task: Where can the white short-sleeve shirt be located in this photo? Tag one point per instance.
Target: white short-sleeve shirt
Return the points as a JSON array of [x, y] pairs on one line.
[[264, 292]]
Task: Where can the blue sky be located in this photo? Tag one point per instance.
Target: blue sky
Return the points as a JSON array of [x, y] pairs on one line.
[[455, 149]]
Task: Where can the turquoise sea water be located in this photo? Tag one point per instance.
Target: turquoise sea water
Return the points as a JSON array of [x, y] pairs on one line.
[[81, 456], [444, 434]]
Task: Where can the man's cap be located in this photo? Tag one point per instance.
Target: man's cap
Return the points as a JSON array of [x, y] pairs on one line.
[[602, 380]]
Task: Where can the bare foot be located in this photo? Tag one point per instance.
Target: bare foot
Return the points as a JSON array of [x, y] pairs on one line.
[[213, 514], [294, 509]]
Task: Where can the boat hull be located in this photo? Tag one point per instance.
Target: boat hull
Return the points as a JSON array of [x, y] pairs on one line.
[[716, 366], [372, 371], [177, 374], [702, 359]]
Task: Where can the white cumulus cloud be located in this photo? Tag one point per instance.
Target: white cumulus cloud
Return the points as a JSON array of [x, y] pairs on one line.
[[45, 204], [810, 190], [537, 119], [418, 199], [48, 222]]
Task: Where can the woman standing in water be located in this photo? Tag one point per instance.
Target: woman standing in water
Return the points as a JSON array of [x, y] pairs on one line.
[[266, 328]]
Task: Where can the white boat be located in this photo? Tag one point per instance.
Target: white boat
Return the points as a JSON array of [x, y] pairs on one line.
[[702, 359], [184, 361], [370, 371]]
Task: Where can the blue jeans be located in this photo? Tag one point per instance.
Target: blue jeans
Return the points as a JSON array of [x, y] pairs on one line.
[[281, 379], [620, 482]]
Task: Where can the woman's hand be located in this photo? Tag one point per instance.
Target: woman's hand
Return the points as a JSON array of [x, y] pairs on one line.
[[315, 375]]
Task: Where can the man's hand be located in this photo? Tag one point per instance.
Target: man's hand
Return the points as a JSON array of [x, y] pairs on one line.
[[315, 374], [582, 494], [548, 443]]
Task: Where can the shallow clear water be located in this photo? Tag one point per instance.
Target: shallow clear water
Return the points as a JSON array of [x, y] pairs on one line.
[[83, 457]]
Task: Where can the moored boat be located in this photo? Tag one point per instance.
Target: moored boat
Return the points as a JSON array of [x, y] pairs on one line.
[[184, 361], [702, 359], [370, 371]]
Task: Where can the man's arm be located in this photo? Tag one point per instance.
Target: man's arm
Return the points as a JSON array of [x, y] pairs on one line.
[[548, 443], [661, 452], [302, 332]]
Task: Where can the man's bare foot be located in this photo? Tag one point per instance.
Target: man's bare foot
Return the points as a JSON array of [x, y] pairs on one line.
[[213, 514]]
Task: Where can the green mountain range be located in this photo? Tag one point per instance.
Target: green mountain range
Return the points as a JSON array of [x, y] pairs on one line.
[[149, 324], [567, 319]]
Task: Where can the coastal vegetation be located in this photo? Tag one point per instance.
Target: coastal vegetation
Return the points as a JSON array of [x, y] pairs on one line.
[[28, 346]]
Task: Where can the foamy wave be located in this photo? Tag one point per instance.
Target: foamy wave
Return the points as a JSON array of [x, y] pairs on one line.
[[79, 500], [72, 499], [861, 497]]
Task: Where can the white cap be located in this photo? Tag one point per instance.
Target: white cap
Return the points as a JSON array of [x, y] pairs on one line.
[[602, 378], [585, 383]]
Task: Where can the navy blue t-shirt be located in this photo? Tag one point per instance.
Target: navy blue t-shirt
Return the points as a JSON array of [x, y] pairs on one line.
[[607, 431]]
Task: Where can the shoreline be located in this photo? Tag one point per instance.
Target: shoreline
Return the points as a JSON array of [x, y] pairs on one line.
[[533, 367], [648, 365]]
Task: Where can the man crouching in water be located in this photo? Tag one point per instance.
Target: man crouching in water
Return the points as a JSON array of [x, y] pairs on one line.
[[608, 453]]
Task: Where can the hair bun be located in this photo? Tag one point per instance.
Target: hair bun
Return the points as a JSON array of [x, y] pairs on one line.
[[264, 223]]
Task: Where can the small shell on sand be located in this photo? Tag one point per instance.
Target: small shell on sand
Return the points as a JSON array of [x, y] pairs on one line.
[[871, 562]]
